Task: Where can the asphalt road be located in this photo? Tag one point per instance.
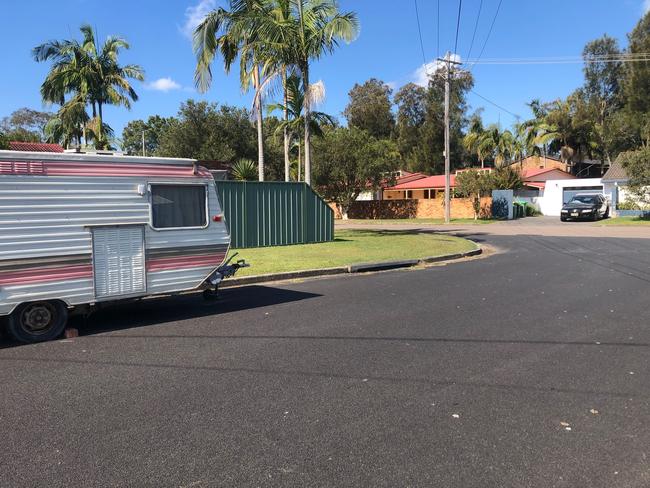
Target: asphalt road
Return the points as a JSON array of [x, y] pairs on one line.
[[529, 368]]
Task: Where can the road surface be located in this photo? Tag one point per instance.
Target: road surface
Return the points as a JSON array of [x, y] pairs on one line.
[[529, 368]]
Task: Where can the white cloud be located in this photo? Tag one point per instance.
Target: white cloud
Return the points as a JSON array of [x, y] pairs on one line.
[[163, 85], [421, 75], [646, 6], [195, 14]]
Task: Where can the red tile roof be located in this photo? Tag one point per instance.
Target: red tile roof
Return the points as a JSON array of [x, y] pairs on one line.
[[35, 147], [536, 184], [436, 181], [529, 174]]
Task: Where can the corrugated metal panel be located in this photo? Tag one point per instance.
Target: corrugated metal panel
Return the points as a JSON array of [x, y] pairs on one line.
[[261, 214], [118, 261]]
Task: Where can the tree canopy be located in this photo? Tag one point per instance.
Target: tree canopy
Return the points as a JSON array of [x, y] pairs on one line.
[[349, 161], [370, 108]]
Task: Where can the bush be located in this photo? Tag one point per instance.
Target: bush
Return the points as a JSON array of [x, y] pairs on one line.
[[629, 205], [4, 142], [244, 170]]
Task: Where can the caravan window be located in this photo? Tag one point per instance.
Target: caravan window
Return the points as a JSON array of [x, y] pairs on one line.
[[178, 206]]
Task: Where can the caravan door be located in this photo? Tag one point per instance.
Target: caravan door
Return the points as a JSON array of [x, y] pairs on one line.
[[119, 261]]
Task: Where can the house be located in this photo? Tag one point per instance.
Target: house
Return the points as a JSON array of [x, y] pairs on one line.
[[400, 177], [540, 162], [615, 186], [434, 186], [535, 179], [35, 147], [558, 192]]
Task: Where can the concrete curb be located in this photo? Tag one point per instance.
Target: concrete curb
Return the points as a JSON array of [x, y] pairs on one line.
[[355, 268]]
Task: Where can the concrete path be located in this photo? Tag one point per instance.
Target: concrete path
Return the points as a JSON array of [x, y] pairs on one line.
[[531, 226]]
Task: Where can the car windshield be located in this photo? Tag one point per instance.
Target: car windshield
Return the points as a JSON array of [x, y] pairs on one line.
[[584, 199]]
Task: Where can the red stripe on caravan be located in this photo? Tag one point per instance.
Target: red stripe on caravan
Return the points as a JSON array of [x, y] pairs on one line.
[[64, 168], [46, 275], [76, 169], [164, 264]]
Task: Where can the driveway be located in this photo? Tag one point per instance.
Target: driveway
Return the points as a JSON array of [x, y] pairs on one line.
[[529, 368]]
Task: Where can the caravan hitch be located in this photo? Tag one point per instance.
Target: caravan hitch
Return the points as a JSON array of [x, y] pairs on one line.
[[226, 270]]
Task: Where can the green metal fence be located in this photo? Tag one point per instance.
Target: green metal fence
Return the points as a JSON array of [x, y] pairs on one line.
[[261, 214]]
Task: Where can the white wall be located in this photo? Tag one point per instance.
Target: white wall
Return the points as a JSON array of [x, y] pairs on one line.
[[551, 202]]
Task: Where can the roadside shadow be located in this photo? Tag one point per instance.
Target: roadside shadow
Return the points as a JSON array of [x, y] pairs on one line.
[[161, 310]]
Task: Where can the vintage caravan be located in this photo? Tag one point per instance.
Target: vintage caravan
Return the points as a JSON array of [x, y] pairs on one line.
[[81, 229]]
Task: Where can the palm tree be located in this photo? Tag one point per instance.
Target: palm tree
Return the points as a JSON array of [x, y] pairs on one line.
[[294, 121], [557, 128], [320, 28], [472, 139], [237, 33], [90, 75]]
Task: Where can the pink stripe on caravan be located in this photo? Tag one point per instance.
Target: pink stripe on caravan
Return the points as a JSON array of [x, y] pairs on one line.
[[45, 275], [58, 168], [164, 264]]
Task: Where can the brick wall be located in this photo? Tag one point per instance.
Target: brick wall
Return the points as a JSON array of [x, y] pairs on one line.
[[461, 208]]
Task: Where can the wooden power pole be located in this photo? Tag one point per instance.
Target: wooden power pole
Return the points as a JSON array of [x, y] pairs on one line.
[[448, 62]]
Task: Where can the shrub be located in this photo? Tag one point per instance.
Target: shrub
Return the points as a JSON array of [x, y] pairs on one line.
[[244, 170]]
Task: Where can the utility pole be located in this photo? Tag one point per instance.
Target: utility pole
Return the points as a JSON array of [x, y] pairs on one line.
[[448, 62], [144, 152]]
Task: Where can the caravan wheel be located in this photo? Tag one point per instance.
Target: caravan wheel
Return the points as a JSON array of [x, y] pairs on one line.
[[38, 321]]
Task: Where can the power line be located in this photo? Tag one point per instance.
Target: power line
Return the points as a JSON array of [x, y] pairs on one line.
[[611, 58], [480, 7], [489, 32], [417, 16], [516, 116], [460, 7]]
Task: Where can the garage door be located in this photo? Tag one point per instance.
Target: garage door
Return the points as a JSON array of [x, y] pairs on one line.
[[570, 191]]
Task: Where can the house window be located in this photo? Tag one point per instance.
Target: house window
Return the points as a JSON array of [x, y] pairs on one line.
[[409, 194], [178, 206]]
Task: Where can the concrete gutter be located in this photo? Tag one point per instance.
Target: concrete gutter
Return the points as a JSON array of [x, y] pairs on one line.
[[354, 268]]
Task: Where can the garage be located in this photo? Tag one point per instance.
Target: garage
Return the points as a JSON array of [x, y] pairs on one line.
[[569, 192], [558, 192]]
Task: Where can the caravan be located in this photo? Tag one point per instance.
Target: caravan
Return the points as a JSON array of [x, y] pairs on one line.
[[78, 230]]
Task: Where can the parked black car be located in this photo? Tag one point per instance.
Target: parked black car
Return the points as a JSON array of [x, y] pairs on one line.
[[589, 206]]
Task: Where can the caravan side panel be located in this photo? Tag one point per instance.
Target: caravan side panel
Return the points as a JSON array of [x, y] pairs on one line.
[[46, 238]]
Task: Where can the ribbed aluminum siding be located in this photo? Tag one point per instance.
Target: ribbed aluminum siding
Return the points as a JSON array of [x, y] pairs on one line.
[[49, 216]]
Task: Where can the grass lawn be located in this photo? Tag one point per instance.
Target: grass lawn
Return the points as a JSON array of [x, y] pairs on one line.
[[351, 247], [414, 221], [625, 221]]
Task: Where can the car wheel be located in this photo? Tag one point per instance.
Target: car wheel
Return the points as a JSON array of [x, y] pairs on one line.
[[606, 216], [37, 321], [563, 219]]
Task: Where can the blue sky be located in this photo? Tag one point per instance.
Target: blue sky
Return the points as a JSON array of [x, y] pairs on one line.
[[388, 48]]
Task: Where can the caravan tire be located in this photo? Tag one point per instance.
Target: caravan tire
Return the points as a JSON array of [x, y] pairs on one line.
[[38, 321]]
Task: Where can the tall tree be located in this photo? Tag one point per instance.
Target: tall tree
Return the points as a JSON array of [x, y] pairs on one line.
[[427, 156], [85, 73], [150, 130], [320, 28], [26, 124], [208, 132], [637, 82], [411, 101], [237, 33], [351, 161], [294, 121], [370, 107]]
